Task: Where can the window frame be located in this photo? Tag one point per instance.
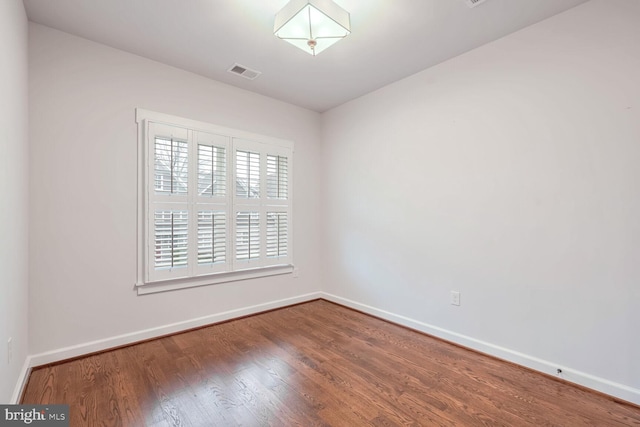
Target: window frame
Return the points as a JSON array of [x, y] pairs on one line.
[[198, 133]]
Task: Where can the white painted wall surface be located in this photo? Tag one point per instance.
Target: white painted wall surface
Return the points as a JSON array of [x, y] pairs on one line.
[[14, 176], [83, 189], [511, 174]]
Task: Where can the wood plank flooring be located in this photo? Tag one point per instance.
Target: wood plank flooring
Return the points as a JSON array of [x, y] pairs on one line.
[[314, 364]]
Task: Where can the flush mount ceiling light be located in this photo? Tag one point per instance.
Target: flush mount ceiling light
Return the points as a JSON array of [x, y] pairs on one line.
[[312, 25]]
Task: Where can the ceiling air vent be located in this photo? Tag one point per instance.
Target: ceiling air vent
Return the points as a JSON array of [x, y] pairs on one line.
[[474, 3], [243, 71]]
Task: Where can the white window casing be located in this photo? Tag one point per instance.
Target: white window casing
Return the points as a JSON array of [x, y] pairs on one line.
[[214, 204]]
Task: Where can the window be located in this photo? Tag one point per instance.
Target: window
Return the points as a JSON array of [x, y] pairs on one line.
[[214, 203]]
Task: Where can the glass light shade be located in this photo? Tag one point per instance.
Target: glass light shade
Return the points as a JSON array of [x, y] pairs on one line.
[[312, 25]]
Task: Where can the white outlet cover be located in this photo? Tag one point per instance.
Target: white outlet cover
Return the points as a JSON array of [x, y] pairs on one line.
[[455, 298]]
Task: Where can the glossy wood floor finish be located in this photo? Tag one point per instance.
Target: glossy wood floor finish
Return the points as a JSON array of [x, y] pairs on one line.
[[310, 365]]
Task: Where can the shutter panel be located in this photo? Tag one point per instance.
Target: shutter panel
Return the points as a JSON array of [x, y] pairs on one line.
[[277, 234], [247, 174], [212, 171], [277, 177], [171, 166], [171, 239], [212, 237], [247, 235]]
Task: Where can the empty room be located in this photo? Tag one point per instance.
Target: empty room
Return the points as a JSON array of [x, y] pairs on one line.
[[317, 212]]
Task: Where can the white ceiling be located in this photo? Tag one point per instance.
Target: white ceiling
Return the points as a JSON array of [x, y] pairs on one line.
[[390, 39]]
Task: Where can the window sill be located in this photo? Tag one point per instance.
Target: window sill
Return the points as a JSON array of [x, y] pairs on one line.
[[212, 279]]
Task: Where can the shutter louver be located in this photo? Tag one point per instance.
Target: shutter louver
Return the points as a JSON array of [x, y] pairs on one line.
[[171, 239], [247, 235], [212, 171], [212, 230], [277, 177], [277, 234], [171, 170], [247, 174]]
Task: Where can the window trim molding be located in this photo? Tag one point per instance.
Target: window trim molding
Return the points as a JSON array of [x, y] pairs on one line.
[[213, 279], [143, 118]]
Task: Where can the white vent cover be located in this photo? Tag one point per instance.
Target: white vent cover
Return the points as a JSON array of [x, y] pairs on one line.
[[243, 71], [474, 3]]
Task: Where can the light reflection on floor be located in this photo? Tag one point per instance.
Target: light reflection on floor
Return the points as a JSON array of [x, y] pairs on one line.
[[255, 379]]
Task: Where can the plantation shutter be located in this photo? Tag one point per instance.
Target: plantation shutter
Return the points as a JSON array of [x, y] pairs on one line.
[[171, 165], [247, 235], [212, 237], [247, 174], [277, 177], [214, 205], [212, 170], [171, 238], [278, 207], [168, 207], [262, 210], [277, 234]]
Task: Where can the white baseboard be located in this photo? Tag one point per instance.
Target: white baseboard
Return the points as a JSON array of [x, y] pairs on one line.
[[22, 381], [120, 340], [621, 391]]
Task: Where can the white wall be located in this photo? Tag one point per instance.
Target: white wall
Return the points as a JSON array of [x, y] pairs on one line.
[[83, 189], [14, 164], [511, 174]]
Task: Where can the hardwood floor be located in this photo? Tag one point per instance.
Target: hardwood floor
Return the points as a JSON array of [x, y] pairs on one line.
[[309, 365]]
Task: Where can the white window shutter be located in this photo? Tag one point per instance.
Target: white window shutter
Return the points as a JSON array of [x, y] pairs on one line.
[[170, 243], [212, 237], [213, 204], [277, 235], [248, 235], [277, 177], [247, 167], [171, 166], [172, 227], [212, 171]]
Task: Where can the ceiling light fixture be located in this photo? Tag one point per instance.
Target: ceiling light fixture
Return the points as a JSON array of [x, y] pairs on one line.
[[312, 25]]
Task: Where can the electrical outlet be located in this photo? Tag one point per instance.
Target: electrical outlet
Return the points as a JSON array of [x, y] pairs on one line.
[[455, 298], [9, 350]]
